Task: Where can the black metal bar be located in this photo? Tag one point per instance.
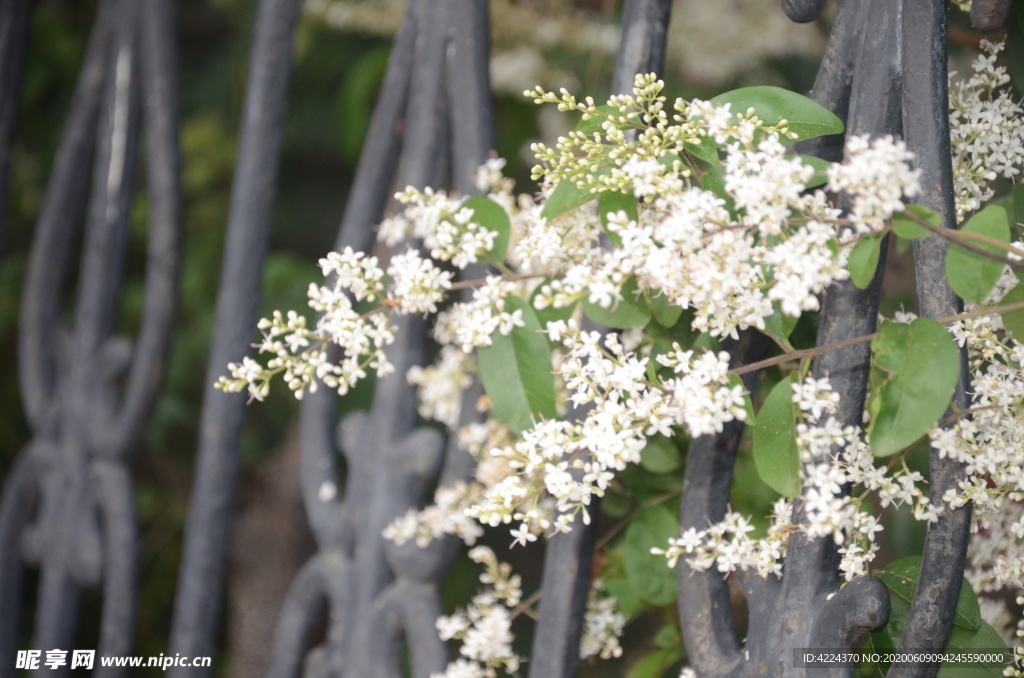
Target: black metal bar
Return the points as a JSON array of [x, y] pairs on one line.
[[371, 188], [116, 498], [705, 610], [567, 561], [990, 16], [803, 11], [301, 612], [926, 126], [66, 194], [164, 245], [426, 114], [642, 46], [17, 506], [14, 34], [38, 337], [469, 91], [67, 495], [811, 572], [200, 581]]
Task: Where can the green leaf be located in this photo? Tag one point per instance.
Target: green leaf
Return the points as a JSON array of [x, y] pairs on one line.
[[706, 150], [901, 579], [985, 638], [668, 636], [971, 275], [516, 371], [665, 312], [631, 311], [595, 125], [864, 260], [1013, 321], [655, 664], [660, 455], [644, 486], [807, 118], [654, 581], [909, 229], [775, 450], [493, 217], [616, 583], [962, 638], [565, 197], [820, 166], [1018, 205], [779, 325], [615, 504], [626, 596], [714, 181], [913, 373], [609, 202]]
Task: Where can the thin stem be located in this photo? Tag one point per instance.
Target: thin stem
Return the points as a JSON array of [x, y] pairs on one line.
[[619, 526], [525, 605], [963, 413], [960, 238], [818, 350], [463, 284]]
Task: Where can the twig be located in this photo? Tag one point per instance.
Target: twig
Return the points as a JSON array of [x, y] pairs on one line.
[[959, 237], [818, 350]]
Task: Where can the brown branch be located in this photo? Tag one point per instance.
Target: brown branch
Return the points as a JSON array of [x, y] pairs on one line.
[[818, 350], [959, 238]]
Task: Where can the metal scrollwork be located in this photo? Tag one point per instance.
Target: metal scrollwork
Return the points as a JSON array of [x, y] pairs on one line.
[[68, 504], [377, 595]]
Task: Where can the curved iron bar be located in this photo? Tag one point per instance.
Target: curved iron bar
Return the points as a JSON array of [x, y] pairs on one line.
[[891, 79], [990, 16], [200, 580], [926, 126], [376, 592], [45, 279], [861, 81], [14, 34], [811, 571], [705, 609], [567, 561], [69, 506], [803, 11]]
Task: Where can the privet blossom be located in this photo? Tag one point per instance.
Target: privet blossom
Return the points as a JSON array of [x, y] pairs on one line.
[[762, 246]]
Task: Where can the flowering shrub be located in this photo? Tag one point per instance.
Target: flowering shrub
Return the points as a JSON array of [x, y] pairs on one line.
[[676, 225]]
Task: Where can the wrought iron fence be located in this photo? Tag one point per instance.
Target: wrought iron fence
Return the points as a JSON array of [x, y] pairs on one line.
[[67, 507]]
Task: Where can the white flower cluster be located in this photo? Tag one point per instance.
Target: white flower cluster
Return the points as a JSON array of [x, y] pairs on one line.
[[447, 515], [986, 131], [683, 246], [989, 440], [473, 322], [574, 461], [445, 226], [440, 386], [485, 626], [602, 625], [831, 457], [727, 546], [301, 354], [877, 175]]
